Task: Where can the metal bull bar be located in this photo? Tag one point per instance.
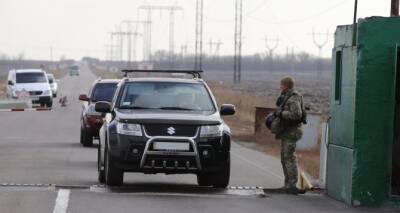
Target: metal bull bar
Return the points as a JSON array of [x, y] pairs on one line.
[[152, 139]]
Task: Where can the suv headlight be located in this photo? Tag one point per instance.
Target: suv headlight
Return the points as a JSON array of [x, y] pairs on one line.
[[46, 92], [211, 131], [129, 129]]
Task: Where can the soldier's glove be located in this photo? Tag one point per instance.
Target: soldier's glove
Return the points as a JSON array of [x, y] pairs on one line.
[[278, 113]]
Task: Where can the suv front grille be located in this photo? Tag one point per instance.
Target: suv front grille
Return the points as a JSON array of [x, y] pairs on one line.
[[35, 92], [171, 130]]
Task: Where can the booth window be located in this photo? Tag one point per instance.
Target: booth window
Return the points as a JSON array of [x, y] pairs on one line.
[[338, 77]]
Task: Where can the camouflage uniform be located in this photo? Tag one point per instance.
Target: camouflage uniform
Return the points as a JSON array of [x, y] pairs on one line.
[[291, 115]]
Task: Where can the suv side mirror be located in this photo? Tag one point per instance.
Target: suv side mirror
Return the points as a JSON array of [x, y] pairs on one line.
[[83, 98], [10, 83], [103, 107], [227, 109]]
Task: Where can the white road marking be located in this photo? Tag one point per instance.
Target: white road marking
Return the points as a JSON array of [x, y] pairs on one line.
[[62, 200], [257, 166]]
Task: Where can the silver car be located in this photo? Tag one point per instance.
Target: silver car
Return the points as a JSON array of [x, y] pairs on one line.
[[53, 84]]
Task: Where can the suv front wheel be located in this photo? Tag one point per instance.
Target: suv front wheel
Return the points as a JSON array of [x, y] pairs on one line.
[[219, 179], [113, 175], [86, 138], [100, 167]]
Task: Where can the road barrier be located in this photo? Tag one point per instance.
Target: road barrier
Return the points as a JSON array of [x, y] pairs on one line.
[[26, 110]]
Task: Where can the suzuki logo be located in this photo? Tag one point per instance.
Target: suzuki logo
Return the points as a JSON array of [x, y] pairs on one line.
[[171, 130]]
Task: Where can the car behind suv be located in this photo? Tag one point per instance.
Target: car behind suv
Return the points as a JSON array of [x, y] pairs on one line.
[[32, 83], [91, 121], [164, 125], [53, 84]]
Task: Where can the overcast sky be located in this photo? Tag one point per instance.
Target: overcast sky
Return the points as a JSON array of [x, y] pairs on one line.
[[75, 28]]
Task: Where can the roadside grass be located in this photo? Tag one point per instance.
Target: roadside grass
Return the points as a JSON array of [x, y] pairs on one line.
[[58, 73], [3, 82]]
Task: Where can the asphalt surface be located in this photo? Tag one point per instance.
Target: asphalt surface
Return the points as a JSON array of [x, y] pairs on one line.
[[43, 168]]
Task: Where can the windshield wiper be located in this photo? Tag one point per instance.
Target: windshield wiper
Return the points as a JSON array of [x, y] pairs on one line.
[[176, 108], [135, 107]]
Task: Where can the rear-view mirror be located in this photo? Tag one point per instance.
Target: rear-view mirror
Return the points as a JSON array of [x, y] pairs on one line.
[[83, 97], [102, 106], [227, 109]]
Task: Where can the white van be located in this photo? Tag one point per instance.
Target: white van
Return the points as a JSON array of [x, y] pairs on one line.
[[31, 82]]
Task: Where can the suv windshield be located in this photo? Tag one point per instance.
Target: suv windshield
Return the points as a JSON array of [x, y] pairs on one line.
[[103, 92], [31, 77], [166, 96]]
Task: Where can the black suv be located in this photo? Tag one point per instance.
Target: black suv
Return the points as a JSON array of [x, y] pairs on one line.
[[164, 125]]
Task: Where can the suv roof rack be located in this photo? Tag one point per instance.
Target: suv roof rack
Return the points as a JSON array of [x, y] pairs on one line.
[[195, 73]]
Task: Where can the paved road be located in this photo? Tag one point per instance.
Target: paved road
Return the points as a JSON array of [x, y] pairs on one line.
[[43, 148]]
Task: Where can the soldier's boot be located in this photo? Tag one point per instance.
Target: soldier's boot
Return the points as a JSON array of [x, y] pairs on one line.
[[295, 191]]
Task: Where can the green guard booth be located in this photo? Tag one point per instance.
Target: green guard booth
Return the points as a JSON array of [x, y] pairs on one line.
[[363, 150]]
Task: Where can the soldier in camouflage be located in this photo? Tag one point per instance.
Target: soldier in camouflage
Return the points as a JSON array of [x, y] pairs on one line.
[[290, 111]]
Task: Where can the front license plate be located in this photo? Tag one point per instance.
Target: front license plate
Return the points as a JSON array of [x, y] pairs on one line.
[[171, 146], [35, 98]]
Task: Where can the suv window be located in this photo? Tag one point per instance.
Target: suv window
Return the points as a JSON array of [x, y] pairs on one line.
[[31, 77], [166, 96], [103, 92]]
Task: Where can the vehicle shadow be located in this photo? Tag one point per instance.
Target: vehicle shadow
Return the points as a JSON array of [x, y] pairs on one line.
[[164, 188]]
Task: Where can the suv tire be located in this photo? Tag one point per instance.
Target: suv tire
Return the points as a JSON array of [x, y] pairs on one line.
[[49, 104], [86, 139], [204, 179], [101, 172], [114, 176], [221, 178]]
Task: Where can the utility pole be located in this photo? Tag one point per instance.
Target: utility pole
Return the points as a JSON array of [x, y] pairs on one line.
[[184, 49], [172, 10], [198, 57], [111, 46], [51, 53], [394, 9], [320, 46], [120, 37], [211, 44], [218, 47], [130, 33], [237, 67], [107, 53], [354, 39], [271, 50]]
